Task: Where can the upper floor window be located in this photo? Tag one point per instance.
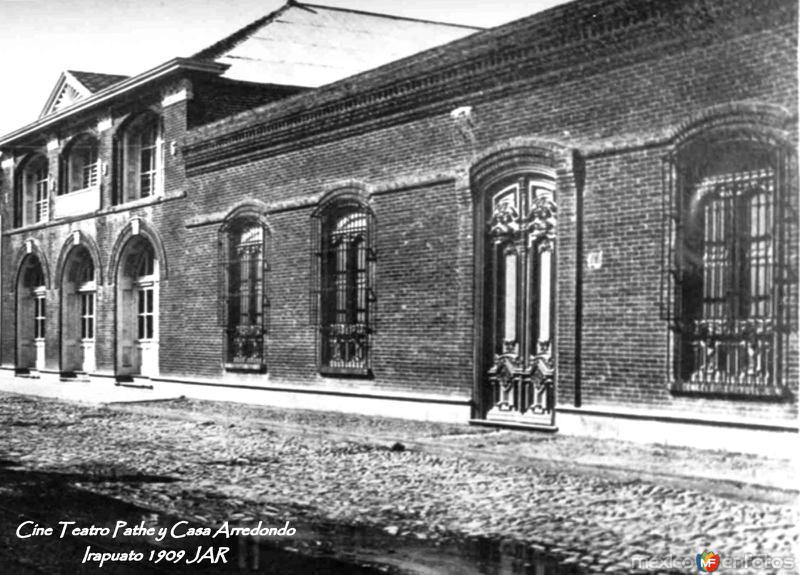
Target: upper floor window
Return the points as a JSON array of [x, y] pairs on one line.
[[345, 298], [81, 165], [141, 159], [733, 270], [245, 302], [32, 192]]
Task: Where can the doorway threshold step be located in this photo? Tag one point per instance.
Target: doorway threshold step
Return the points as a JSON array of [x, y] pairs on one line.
[[511, 424]]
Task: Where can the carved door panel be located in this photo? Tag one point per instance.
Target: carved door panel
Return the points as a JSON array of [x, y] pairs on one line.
[[518, 287]]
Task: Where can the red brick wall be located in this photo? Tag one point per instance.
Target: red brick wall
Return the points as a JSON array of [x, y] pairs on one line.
[[617, 114]]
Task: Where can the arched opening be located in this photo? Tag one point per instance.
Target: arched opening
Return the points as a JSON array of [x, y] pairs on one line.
[[32, 197], [31, 315], [345, 261], [137, 309], [245, 306], [731, 255], [516, 216], [80, 165], [78, 312], [140, 158], [515, 189]]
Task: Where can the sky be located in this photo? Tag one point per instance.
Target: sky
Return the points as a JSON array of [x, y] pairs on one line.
[[41, 38]]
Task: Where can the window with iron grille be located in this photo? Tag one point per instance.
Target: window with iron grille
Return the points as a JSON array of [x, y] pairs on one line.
[[343, 299], [245, 299], [734, 276]]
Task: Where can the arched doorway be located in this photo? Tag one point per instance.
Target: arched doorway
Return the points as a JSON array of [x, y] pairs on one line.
[[516, 218], [137, 309], [78, 311], [31, 314]]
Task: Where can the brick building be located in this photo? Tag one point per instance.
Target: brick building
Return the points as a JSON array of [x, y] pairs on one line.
[[585, 220]]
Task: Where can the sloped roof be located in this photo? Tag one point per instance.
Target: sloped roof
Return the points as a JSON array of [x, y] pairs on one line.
[[311, 45], [73, 86], [95, 81]]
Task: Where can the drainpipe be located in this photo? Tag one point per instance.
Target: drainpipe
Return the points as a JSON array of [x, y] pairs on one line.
[[579, 167], [1, 288]]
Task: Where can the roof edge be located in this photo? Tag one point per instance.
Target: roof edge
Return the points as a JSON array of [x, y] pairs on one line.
[[239, 35], [382, 15], [168, 67]]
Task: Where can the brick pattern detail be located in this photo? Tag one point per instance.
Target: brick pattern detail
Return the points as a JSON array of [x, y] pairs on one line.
[[619, 118]]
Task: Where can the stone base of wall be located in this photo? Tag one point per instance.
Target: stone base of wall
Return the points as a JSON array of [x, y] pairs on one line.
[[774, 439]]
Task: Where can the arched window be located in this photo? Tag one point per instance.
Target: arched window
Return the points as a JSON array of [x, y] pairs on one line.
[[344, 295], [78, 314], [734, 279], [80, 165], [138, 309], [31, 315], [32, 201], [141, 159], [245, 300]]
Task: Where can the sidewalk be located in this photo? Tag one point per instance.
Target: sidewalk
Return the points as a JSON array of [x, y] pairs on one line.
[[736, 474], [593, 504]]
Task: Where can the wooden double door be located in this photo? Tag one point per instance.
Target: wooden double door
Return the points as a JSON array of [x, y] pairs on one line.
[[517, 368]]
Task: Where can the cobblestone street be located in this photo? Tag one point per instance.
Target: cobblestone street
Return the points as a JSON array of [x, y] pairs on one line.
[[353, 486]]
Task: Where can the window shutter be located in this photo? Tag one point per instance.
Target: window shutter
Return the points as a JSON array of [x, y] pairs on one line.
[[116, 171], [161, 161], [785, 240], [372, 258], [17, 178], [265, 259], [670, 248], [223, 281], [315, 256]]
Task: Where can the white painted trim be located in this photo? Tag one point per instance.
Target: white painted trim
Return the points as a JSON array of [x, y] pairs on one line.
[[175, 98], [104, 124], [7, 164], [52, 144]]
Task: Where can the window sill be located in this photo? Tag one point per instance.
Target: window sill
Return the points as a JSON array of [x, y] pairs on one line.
[[248, 367], [731, 391], [345, 371]]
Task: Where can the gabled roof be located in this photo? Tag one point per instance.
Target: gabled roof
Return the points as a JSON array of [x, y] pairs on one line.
[[311, 45], [95, 81], [73, 86]]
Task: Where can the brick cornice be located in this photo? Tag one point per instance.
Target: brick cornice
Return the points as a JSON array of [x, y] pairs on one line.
[[569, 41]]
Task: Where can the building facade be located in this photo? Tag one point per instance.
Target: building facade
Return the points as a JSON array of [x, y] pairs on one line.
[[585, 221]]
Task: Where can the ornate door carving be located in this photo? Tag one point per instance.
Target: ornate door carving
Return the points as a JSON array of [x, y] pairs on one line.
[[518, 287]]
